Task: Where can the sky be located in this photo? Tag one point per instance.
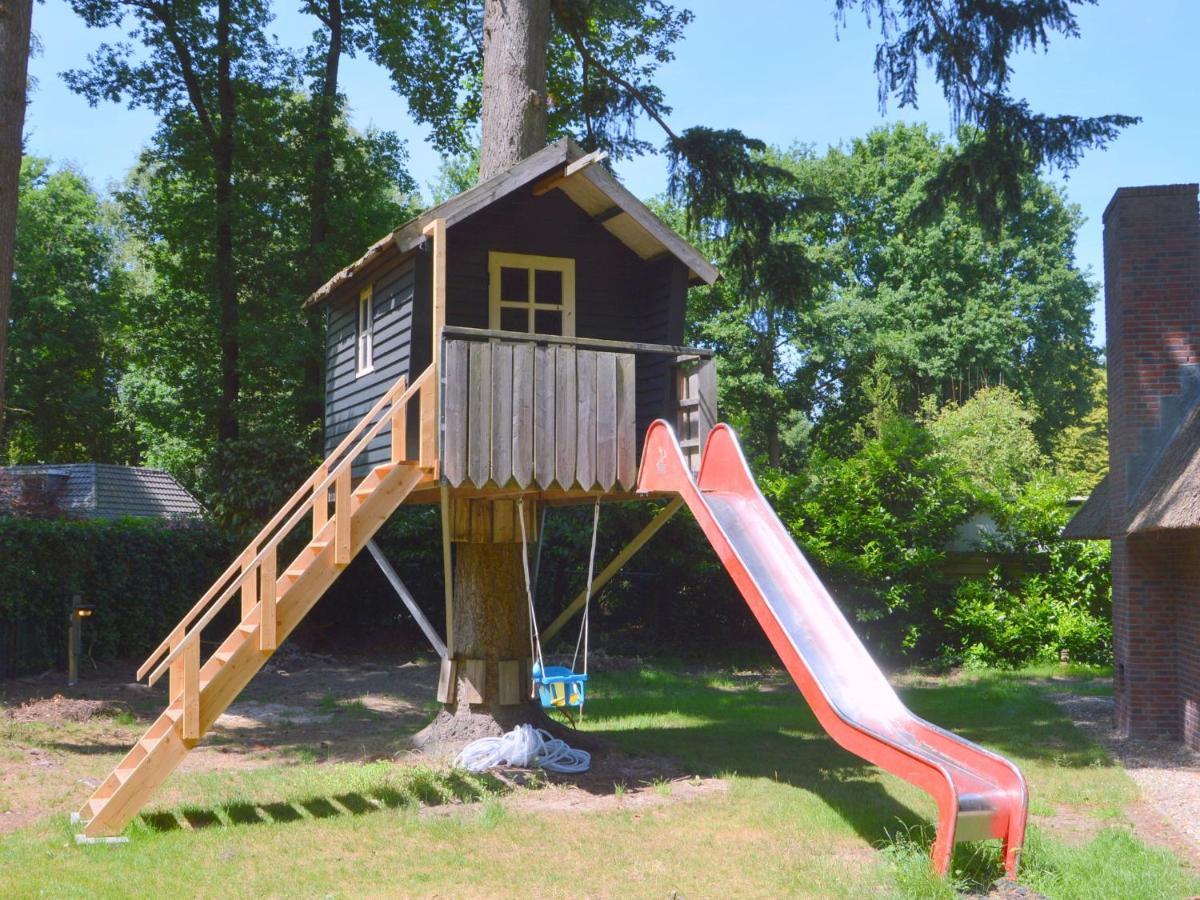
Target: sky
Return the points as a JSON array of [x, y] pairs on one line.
[[784, 71]]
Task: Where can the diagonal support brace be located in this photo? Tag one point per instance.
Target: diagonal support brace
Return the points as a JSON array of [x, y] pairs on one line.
[[407, 597], [613, 567]]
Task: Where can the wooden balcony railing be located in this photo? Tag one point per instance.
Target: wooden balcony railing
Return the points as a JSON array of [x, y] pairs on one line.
[[547, 412]]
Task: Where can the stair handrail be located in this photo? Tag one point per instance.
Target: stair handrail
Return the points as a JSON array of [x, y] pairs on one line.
[[216, 605]]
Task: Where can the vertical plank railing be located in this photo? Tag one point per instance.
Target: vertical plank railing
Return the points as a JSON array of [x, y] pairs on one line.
[[428, 394], [320, 509], [249, 585], [341, 518], [267, 617], [191, 691], [399, 427], [175, 677]]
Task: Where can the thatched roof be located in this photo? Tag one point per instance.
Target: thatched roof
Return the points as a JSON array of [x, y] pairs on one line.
[[563, 166], [1091, 520], [1170, 495]]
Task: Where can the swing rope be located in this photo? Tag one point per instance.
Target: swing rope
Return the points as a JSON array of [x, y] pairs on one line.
[[585, 628], [535, 638]]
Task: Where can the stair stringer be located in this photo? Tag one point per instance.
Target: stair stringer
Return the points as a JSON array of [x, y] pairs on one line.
[[222, 680]]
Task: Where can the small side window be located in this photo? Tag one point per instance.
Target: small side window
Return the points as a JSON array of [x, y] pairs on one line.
[[364, 359]]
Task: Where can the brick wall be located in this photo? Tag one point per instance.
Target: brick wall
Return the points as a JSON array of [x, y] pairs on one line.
[[1152, 308], [1187, 626]]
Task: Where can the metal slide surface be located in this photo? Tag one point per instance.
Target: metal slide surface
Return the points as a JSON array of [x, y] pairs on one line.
[[979, 794]]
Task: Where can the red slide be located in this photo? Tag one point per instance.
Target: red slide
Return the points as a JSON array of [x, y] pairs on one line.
[[979, 794]]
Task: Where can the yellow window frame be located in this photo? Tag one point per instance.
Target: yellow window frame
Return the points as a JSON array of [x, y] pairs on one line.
[[532, 264]]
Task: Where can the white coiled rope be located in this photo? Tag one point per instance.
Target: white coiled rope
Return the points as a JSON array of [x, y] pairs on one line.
[[524, 747]]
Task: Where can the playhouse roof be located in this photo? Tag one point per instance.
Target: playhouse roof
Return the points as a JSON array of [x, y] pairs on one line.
[[94, 491], [563, 166], [1169, 496]]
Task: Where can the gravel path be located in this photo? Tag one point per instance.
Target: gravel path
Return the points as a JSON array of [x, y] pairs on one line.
[[1168, 774]]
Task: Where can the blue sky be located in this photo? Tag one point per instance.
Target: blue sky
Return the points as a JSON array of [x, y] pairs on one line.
[[780, 70]]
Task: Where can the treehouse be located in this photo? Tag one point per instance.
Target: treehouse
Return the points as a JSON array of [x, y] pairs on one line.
[[507, 349], [545, 307]]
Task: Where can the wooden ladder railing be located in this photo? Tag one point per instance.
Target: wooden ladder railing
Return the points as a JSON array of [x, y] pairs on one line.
[[255, 572]]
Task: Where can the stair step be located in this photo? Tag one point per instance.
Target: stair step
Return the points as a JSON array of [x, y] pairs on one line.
[[223, 655], [125, 773], [295, 573]]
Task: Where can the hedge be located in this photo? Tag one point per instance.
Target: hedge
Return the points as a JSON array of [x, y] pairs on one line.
[[140, 576]]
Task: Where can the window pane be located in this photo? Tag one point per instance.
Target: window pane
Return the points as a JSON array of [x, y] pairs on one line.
[[514, 319], [514, 284], [548, 287], [547, 322]]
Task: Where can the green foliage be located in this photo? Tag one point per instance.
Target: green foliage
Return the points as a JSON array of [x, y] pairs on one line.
[[140, 576], [989, 438], [876, 524], [949, 306], [171, 386], [1081, 449], [1057, 599], [968, 44], [65, 351]]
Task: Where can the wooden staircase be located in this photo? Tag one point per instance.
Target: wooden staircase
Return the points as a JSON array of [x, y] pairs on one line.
[[271, 605]]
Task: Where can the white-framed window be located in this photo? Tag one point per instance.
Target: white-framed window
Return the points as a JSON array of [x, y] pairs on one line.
[[533, 294], [364, 360]]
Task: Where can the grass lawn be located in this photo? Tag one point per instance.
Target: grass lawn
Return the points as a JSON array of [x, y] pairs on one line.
[[796, 816]]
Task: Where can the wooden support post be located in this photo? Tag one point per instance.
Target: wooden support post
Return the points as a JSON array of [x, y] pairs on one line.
[[399, 426], [341, 518], [267, 616], [249, 582], [429, 426], [320, 515], [448, 572], [191, 690], [613, 567], [431, 399]]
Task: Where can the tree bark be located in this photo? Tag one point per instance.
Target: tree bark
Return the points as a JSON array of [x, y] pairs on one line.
[[15, 23], [515, 36], [324, 102], [491, 614], [227, 292]]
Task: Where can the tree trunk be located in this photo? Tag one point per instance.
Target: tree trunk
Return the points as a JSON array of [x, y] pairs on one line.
[[15, 20], [491, 619], [515, 35], [324, 103], [490, 633], [767, 360], [227, 293]]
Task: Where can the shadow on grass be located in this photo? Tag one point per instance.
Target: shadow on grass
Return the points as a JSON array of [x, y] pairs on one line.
[[421, 788], [714, 726]]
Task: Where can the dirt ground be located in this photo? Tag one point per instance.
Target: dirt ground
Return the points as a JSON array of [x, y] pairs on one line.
[[57, 743]]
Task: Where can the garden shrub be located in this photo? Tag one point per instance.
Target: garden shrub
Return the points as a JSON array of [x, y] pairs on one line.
[[141, 577], [876, 524]]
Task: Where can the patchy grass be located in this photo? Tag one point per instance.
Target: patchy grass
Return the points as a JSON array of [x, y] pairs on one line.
[[800, 816]]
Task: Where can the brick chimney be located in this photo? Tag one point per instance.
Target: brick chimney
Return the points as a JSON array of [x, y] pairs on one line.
[[1152, 308]]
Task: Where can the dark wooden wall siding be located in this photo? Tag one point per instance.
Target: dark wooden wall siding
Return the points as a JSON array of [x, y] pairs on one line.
[[348, 396], [664, 289]]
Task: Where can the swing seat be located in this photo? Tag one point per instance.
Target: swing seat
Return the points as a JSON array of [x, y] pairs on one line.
[[558, 686]]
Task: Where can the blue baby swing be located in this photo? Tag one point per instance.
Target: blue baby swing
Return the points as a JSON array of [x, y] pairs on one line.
[[559, 687]]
